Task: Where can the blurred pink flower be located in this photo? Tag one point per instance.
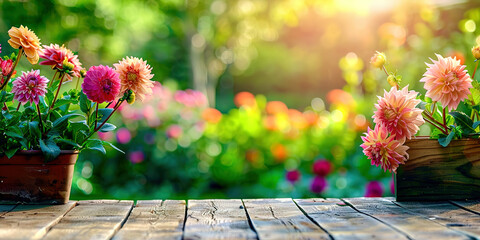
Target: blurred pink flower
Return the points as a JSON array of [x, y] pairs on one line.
[[397, 112], [191, 98], [447, 81], [322, 167], [101, 84], [123, 136], [384, 150], [293, 176], [136, 157], [374, 189], [318, 184], [174, 131], [29, 87], [105, 136]]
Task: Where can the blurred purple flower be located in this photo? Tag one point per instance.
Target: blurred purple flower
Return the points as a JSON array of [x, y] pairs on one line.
[[123, 136], [322, 167], [293, 176], [174, 131], [149, 138], [374, 189], [392, 185], [318, 184], [136, 156]]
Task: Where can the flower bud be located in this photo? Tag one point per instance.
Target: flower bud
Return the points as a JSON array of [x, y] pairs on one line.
[[83, 72], [378, 60], [476, 52], [392, 80], [131, 97], [67, 66]]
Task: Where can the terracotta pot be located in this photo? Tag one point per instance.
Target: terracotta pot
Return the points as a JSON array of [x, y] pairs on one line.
[[27, 178], [433, 172]]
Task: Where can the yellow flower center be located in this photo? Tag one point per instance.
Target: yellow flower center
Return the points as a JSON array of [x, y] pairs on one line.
[[131, 77]]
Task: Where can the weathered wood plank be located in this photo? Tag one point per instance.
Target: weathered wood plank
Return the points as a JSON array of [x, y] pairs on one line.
[[92, 220], [31, 221], [434, 173], [217, 219], [448, 215], [154, 220], [344, 222], [472, 205], [281, 219], [414, 225]]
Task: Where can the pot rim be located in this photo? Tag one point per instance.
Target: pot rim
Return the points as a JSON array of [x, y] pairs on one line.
[[36, 152], [428, 138]]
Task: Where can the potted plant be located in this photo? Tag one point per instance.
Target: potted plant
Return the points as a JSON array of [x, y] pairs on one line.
[[446, 164], [46, 123]]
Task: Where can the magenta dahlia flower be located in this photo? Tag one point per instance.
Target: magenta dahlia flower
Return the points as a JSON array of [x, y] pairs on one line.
[[29, 87], [398, 113], [55, 55], [383, 149], [101, 84], [447, 82]]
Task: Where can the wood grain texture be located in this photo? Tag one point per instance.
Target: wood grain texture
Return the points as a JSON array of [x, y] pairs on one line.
[[217, 219], [344, 222], [406, 221], [154, 219], [31, 221], [281, 219], [434, 173], [471, 205], [448, 215], [92, 220]]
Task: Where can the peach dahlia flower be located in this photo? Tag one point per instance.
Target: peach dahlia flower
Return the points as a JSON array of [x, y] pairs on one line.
[[397, 112], [25, 38], [383, 149], [135, 74], [447, 81]]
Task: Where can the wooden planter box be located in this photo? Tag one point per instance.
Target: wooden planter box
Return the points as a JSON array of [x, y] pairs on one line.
[[26, 178], [435, 173]]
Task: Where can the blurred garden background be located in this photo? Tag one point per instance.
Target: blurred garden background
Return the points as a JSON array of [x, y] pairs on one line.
[[255, 98]]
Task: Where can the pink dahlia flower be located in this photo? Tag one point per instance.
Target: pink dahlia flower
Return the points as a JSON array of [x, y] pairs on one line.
[[447, 82], [29, 87], [55, 55], [398, 113], [135, 74], [101, 84], [384, 150]]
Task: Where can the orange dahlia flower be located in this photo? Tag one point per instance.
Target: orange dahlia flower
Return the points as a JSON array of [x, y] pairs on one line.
[[135, 74], [447, 82], [27, 40]]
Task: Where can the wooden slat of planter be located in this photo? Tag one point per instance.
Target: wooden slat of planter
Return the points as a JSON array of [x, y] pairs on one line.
[[414, 225], [281, 219], [154, 220], [472, 205], [434, 173], [448, 215], [344, 222], [217, 219], [92, 220], [31, 221]]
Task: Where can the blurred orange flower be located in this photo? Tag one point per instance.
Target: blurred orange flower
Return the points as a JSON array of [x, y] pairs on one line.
[[252, 155], [338, 96], [275, 107], [211, 115], [458, 55], [297, 119], [270, 123], [244, 99], [279, 152]]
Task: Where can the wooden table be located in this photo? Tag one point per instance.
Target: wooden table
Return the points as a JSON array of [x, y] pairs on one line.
[[352, 218]]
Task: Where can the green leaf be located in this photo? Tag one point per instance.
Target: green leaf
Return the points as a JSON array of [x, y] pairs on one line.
[[79, 126], [11, 152], [95, 144], [69, 142], [13, 134], [475, 124], [34, 129], [444, 141], [85, 104], [463, 121], [62, 122], [104, 113], [50, 149], [62, 101], [113, 146], [107, 127]]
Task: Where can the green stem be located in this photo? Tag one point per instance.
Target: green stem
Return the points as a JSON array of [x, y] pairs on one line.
[[96, 115], [435, 123], [475, 70], [117, 105], [56, 94], [40, 118], [53, 79], [20, 52]]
